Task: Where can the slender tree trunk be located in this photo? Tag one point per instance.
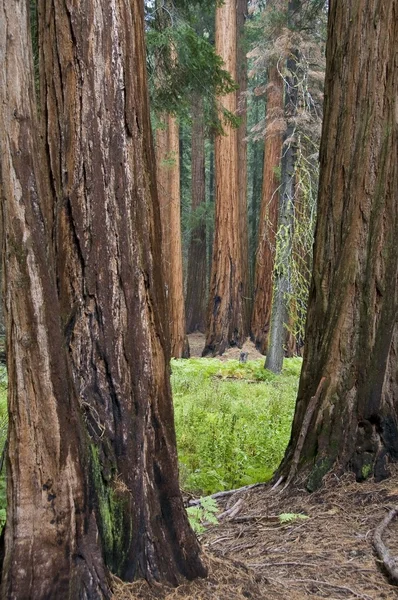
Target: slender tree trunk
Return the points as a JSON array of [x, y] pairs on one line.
[[110, 281], [265, 255], [210, 230], [256, 185], [195, 305], [51, 547], [168, 177], [225, 312], [241, 77], [280, 300], [351, 337]]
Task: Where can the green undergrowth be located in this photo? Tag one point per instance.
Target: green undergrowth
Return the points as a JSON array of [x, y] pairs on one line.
[[233, 421]]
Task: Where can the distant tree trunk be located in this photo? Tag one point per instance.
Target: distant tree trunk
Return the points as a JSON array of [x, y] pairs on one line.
[[256, 185], [351, 337], [211, 201], [195, 305], [265, 255], [241, 79], [113, 305], [51, 548], [168, 177], [225, 312]]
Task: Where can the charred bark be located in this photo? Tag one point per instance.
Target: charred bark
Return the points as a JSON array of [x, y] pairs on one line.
[[51, 538], [265, 255], [351, 336], [110, 280], [195, 303], [226, 324]]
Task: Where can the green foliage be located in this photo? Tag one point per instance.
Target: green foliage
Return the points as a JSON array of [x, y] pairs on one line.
[[182, 63], [291, 517], [203, 514], [233, 421]]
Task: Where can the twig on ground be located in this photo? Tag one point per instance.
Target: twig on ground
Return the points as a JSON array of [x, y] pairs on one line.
[[231, 512], [388, 560], [227, 493]]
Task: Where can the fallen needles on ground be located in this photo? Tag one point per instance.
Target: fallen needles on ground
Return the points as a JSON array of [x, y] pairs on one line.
[[389, 561], [342, 588]]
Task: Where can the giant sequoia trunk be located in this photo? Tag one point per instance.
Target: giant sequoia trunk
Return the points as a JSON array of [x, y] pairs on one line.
[[51, 547], [241, 80], [195, 304], [226, 324], [351, 337], [168, 179], [109, 273], [264, 266]]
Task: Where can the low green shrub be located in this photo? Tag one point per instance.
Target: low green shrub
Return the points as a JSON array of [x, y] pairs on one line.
[[233, 421]]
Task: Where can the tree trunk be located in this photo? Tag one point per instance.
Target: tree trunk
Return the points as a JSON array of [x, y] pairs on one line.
[[225, 312], [241, 79], [110, 281], [282, 266], [168, 178], [351, 337], [195, 305], [51, 548], [264, 265]]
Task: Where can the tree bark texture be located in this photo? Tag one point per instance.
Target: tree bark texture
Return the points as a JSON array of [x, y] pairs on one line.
[[265, 255], [226, 324], [241, 79], [195, 303], [168, 180], [110, 280], [351, 337], [51, 539]]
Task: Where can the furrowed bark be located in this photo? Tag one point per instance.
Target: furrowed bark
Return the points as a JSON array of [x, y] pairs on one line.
[[241, 101], [51, 546], [168, 179], [225, 313], [195, 303], [351, 337], [110, 280], [265, 255]]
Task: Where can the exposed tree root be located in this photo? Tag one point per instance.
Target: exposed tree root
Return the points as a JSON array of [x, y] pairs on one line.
[[389, 561]]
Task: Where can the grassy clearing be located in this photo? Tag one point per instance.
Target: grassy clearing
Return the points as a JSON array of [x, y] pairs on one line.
[[233, 421]]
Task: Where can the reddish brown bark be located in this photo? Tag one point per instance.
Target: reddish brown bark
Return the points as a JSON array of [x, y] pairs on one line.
[[264, 266], [110, 280], [168, 180], [241, 80], [353, 307], [225, 314], [51, 539], [195, 304]]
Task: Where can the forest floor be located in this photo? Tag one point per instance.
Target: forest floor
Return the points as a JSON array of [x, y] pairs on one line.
[[253, 553]]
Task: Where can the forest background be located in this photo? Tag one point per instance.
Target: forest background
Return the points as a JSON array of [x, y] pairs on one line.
[[87, 280]]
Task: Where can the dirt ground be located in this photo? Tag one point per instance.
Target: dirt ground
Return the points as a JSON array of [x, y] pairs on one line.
[[252, 555], [197, 343]]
